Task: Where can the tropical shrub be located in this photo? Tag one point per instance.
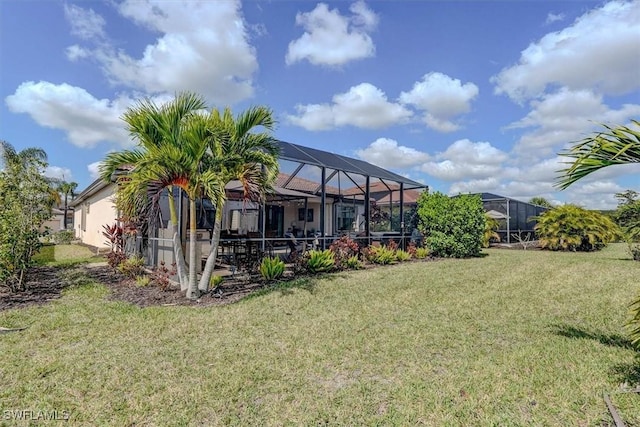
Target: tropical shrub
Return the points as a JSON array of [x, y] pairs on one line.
[[319, 261], [132, 267], [26, 198], [215, 281], [452, 226], [402, 256], [411, 248], [271, 268], [161, 276], [422, 253], [115, 259], [142, 281], [572, 228], [115, 237], [490, 231], [380, 255], [343, 249], [354, 263]]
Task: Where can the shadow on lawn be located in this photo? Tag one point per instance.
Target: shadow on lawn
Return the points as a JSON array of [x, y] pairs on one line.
[[612, 340], [626, 372]]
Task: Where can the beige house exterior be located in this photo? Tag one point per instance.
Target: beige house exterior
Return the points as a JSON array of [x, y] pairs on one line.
[[94, 208]]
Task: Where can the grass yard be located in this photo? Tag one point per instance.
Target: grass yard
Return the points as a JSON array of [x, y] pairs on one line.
[[63, 255], [514, 338]]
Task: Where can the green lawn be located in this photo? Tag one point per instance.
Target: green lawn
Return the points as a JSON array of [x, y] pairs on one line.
[[513, 338], [60, 255]]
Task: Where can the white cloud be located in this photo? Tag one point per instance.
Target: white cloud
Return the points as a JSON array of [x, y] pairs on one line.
[[465, 159], [76, 52], [94, 169], [386, 153], [441, 98], [363, 106], [85, 119], [595, 52], [564, 117], [202, 47], [554, 17], [85, 23], [332, 39], [58, 172]]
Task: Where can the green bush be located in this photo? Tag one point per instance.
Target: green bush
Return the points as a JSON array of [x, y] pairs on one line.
[[402, 256], [320, 261], [452, 226], [63, 237], [271, 268], [572, 228], [132, 267]]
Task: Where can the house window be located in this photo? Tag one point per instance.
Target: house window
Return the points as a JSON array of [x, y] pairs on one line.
[[301, 215]]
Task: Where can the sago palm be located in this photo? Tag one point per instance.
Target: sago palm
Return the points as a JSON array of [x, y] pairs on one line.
[[152, 127], [239, 154]]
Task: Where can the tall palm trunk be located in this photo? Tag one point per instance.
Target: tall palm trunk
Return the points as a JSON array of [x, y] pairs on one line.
[[211, 259], [177, 244], [64, 220], [192, 292]]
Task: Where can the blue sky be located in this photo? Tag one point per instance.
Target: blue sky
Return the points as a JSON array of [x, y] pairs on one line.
[[463, 96]]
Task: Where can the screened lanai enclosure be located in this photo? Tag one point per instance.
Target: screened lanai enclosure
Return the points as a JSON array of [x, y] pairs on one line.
[[318, 197], [516, 219]]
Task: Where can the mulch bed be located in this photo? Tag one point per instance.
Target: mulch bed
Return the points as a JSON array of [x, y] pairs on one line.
[[42, 284], [45, 284]]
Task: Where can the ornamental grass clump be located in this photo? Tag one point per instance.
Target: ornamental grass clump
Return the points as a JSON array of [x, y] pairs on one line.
[[271, 268]]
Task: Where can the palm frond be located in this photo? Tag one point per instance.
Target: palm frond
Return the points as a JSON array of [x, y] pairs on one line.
[[613, 146]]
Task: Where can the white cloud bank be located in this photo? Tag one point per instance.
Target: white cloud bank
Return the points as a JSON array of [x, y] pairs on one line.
[[441, 98], [438, 96], [596, 52], [86, 119], [387, 153], [333, 39], [363, 106]]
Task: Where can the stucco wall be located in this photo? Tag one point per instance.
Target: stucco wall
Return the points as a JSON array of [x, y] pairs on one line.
[[100, 210]]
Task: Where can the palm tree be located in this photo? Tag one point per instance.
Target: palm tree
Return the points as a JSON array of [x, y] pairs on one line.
[[176, 165], [613, 146], [67, 189], [238, 154], [157, 130]]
